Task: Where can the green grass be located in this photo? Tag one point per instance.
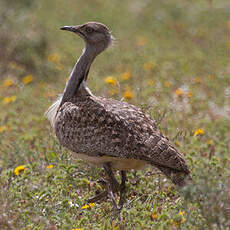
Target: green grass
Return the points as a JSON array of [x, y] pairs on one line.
[[166, 46]]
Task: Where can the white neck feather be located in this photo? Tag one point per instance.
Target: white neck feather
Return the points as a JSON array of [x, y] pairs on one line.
[[52, 111]]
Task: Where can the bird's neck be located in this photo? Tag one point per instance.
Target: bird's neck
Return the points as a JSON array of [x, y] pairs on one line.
[[78, 75]]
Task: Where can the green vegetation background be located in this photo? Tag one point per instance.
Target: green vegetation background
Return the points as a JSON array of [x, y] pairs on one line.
[[171, 58]]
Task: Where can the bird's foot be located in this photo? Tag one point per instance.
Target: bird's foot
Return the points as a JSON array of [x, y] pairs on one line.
[[109, 193], [112, 188], [99, 197], [102, 182], [107, 185], [116, 209]]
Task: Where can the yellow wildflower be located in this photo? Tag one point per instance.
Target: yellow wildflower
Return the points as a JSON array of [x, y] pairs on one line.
[[197, 80], [7, 100], [19, 169], [228, 44], [179, 92], [54, 58], [27, 79], [189, 94], [228, 25], [177, 143], [92, 204], [181, 213], [150, 66], [154, 215], [141, 41], [211, 77], [198, 132], [151, 82], [167, 84], [88, 205], [76, 228], [128, 94], [210, 142], [49, 166], [111, 80], [3, 128], [126, 76], [7, 83]]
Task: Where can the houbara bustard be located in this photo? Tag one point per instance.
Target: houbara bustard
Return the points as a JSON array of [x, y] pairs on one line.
[[107, 132]]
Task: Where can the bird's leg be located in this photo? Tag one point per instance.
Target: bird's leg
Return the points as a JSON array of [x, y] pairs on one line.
[[122, 189], [112, 179], [111, 195], [112, 185]]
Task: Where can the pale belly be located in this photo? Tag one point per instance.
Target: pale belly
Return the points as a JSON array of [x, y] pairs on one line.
[[115, 162]]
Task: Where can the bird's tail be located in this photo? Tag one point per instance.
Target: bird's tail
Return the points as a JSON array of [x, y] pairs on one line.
[[180, 178], [52, 111]]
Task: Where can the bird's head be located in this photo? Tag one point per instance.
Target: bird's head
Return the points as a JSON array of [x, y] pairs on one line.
[[95, 34]]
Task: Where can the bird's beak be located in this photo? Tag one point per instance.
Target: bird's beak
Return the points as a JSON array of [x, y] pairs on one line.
[[75, 29], [69, 28]]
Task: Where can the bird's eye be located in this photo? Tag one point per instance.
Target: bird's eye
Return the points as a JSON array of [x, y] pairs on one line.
[[89, 29]]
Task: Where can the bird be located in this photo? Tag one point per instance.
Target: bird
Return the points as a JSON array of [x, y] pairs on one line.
[[109, 133]]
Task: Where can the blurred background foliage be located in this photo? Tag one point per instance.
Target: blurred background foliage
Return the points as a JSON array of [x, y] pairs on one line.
[[171, 58], [29, 32]]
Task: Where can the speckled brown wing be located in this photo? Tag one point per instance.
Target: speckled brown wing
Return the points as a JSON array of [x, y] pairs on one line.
[[98, 126]]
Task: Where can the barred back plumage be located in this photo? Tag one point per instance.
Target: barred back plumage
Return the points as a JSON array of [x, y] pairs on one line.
[[97, 126]]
